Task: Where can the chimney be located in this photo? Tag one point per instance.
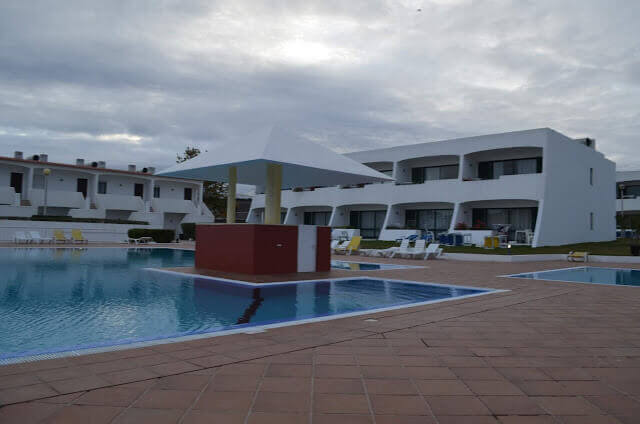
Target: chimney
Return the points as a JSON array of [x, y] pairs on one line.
[[44, 157], [132, 168], [17, 155], [152, 170], [80, 162], [102, 164]]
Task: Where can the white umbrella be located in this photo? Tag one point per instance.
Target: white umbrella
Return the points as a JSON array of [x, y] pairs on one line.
[[274, 158]]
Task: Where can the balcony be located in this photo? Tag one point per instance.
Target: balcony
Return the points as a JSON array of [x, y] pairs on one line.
[[174, 206], [629, 204], [58, 199], [119, 202], [8, 196]]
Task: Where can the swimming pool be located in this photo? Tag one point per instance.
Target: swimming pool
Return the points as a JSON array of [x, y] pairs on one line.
[[587, 274], [60, 300], [367, 266]]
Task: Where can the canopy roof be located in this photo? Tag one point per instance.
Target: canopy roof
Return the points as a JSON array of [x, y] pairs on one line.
[[304, 163]]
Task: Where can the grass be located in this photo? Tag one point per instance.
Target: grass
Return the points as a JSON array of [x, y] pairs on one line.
[[608, 248]]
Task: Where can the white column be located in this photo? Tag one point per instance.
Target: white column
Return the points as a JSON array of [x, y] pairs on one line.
[[231, 195], [27, 185], [454, 217], [93, 189], [272, 195]]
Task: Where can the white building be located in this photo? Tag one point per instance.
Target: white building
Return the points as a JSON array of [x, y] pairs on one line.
[[90, 190], [628, 192], [538, 180]]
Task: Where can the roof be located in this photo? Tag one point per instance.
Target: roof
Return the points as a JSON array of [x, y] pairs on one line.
[[304, 163]]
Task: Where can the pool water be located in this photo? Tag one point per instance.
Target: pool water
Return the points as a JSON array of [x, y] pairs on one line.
[[366, 266], [56, 300], [588, 274]]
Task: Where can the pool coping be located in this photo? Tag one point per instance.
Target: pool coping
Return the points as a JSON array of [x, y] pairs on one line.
[[570, 281], [252, 329], [393, 266]]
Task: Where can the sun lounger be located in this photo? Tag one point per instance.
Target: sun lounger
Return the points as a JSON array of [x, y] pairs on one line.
[[59, 237], [434, 250], [341, 246], [353, 245], [77, 237], [20, 237], [36, 238], [578, 257], [404, 248], [419, 248]]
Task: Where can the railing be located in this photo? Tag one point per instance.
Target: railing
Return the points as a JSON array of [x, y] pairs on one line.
[[7, 196], [120, 202], [57, 198], [174, 206]]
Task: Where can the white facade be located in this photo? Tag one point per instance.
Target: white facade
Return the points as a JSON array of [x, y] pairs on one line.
[[627, 192], [93, 191], [538, 180]]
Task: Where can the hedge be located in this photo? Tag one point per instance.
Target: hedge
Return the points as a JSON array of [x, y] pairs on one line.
[[72, 219], [159, 236], [188, 230]]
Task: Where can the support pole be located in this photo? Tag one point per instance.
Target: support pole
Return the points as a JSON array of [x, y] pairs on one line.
[[231, 195], [272, 194]]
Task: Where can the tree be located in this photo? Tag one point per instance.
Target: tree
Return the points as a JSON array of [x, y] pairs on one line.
[[214, 193]]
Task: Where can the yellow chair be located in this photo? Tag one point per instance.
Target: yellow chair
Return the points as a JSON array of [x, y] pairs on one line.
[[58, 236], [578, 256], [77, 237], [491, 242], [354, 245]]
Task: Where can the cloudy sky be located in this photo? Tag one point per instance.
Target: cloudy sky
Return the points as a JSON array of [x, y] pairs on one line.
[[137, 81]]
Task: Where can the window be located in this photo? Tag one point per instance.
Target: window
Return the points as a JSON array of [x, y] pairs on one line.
[[138, 190], [490, 170], [156, 192], [429, 173], [187, 193], [436, 220], [317, 218], [517, 218], [591, 221], [102, 187], [591, 177], [368, 222]]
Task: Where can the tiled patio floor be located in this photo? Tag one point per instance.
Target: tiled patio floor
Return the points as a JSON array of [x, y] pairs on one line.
[[541, 353]]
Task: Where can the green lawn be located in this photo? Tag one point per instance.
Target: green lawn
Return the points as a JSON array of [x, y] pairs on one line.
[[608, 248]]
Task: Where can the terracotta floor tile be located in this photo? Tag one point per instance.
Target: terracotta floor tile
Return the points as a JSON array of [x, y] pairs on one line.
[[383, 360], [398, 405], [512, 405], [491, 387], [335, 360], [170, 368], [109, 396], [277, 418], [337, 385], [542, 388], [337, 371], [23, 393], [616, 405], [342, 419], [541, 419], [286, 384], [234, 383], [282, 402], [166, 399], [62, 399], [128, 376], [456, 405], [420, 361], [523, 374], [224, 401], [405, 419], [150, 416], [431, 373], [334, 403], [443, 388], [463, 361], [82, 414], [567, 405], [477, 373], [206, 417], [390, 387], [593, 419], [183, 382], [284, 370], [18, 380], [27, 412], [242, 369]]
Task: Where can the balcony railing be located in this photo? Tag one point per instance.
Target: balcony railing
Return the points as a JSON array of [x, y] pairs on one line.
[[58, 198], [119, 202]]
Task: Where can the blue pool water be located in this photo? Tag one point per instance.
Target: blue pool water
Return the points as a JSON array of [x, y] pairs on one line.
[[365, 266], [55, 300], [588, 274]]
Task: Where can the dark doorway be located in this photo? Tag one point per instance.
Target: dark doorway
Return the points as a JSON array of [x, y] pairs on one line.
[[16, 181], [81, 186], [187, 193], [138, 190]]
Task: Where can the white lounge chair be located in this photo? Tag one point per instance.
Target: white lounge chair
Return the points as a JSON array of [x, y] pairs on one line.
[[334, 244], [404, 249], [341, 246], [36, 238], [419, 248], [434, 250], [20, 237]]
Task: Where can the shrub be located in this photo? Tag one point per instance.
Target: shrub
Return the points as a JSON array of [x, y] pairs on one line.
[[159, 236], [189, 230]]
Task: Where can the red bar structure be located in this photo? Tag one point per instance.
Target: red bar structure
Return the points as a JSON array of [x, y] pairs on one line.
[[257, 248]]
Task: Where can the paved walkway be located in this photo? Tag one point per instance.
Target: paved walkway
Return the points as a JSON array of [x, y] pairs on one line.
[[540, 353]]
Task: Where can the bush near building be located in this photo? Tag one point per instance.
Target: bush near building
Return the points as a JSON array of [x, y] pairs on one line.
[[188, 230]]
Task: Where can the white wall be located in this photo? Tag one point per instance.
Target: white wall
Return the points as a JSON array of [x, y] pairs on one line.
[[92, 232]]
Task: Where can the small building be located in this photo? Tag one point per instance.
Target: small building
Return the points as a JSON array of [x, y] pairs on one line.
[[538, 182], [628, 196]]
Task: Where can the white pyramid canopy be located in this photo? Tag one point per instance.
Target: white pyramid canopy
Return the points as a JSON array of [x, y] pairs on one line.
[[304, 163]]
